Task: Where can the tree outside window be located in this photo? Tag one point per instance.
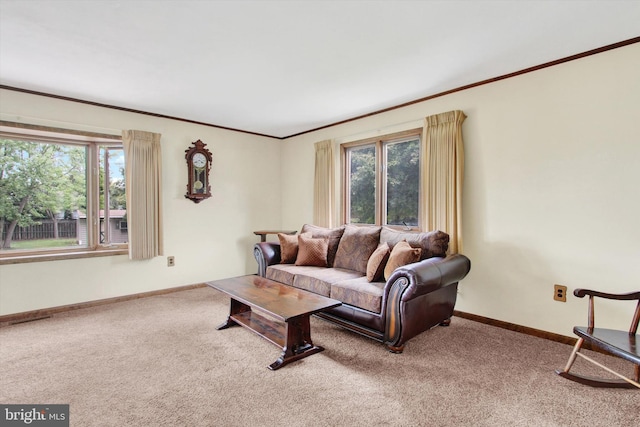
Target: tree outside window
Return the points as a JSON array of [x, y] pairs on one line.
[[382, 180], [49, 200]]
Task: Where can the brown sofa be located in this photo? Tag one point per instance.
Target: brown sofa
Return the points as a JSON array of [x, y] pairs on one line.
[[352, 264]]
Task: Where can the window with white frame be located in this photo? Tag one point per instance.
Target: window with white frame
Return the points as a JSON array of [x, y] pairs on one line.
[[60, 192], [381, 180]]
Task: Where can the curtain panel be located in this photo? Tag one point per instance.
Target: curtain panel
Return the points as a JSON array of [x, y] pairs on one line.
[[143, 180], [442, 175], [324, 185]]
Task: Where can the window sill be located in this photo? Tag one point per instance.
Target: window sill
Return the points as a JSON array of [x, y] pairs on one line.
[[24, 258]]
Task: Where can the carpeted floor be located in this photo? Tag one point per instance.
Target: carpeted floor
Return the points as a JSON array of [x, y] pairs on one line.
[[159, 361]]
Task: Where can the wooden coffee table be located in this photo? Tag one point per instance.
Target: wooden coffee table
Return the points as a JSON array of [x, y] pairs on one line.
[[288, 307]]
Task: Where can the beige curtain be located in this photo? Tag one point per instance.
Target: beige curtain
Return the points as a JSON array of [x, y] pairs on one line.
[[143, 173], [443, 160], [324, 185]]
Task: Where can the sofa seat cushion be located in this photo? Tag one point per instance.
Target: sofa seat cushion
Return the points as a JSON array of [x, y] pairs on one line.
[[283, 273], [360, 293], [318, 279]]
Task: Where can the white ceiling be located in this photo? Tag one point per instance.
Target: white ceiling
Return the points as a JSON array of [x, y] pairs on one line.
[[281, 68]]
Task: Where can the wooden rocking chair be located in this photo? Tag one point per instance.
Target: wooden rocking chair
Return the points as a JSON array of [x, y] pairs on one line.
[[618, 343]]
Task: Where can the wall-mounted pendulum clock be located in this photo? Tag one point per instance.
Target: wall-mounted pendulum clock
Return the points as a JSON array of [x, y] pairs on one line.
[[199, 165]]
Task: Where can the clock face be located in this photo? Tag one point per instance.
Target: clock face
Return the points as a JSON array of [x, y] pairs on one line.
[[199, 160]]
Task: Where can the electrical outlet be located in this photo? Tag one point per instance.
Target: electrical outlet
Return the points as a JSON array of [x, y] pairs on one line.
[[560, 293], [171, 261]]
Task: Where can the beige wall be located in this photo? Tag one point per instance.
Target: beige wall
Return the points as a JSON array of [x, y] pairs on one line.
[[551, 195], [210, 240], [551, 187]]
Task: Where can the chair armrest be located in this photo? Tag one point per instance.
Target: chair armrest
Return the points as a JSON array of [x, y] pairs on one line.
[[266, 253], [430, 274], [630, 296], [591, 313]]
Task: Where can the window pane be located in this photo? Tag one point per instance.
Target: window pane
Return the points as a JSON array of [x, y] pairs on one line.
[[403, 182], [113, 209], [42, 194], [362, 185]]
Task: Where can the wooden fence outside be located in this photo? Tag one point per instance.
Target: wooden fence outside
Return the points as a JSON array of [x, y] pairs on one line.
[[67, 229]]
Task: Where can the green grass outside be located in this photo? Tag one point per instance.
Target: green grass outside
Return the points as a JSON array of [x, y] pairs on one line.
[[44, 243]]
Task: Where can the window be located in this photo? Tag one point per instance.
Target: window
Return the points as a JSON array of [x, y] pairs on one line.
[[381, 181], [60, 192]]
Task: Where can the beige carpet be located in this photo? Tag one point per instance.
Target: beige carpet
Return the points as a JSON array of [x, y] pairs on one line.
[[160, 361]]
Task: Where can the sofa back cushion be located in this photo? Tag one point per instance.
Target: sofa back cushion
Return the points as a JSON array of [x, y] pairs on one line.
[[332, 234], [432, 243], [356, 246]]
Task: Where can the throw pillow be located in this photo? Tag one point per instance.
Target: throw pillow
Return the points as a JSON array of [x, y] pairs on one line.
[[288, 247], [402, 254], [356, 246], [333, 234], [433, 243], [312, 251], [377, 262]]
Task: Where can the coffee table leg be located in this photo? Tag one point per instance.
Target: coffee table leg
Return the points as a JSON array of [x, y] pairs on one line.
[[235, 308], [298, 342]]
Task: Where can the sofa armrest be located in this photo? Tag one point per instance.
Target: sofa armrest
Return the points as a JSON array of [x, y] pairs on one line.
[[430, 274], [266, 253], [421, 295]]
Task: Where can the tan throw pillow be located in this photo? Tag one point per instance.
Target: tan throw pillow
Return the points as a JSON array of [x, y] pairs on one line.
[[332, 234], [312, 251], [288, 247], [402, 254], [433, 243], [377, 262]]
